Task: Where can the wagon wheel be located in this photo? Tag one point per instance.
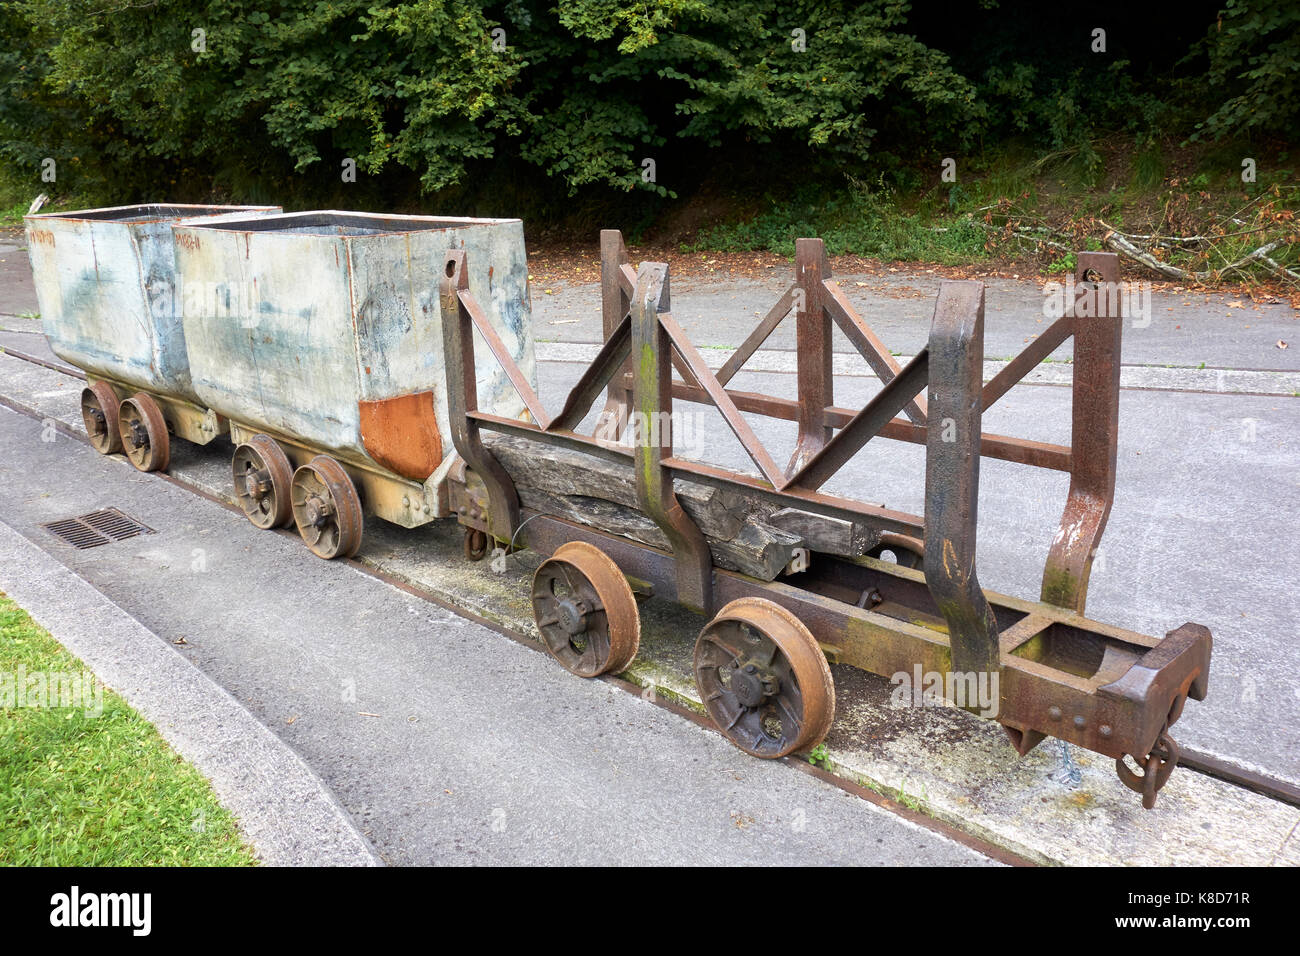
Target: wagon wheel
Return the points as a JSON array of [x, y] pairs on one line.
[[908, 552], [99, 412], [326, 508], [763, 679], [263, 475], [476, 544], [585, 611], [143, 430]]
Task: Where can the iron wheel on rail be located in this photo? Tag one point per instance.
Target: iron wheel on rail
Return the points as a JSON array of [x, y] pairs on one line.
[[327, 508], [763, 679], [143, 431], [585, 611], [263, 476], [99, 413]]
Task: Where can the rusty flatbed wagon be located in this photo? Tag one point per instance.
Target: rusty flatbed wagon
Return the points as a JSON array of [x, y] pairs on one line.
[[761, 661]]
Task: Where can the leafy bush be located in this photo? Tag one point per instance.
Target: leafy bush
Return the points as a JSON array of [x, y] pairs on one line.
[[584, 91], [1254, 53], [484, 102]]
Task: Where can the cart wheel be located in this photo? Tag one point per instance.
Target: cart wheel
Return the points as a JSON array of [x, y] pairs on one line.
[[476, 544], [99, 412], [908, 552], [143, 430], [326, 508], [763, 679], [585, 611], [262, 475]]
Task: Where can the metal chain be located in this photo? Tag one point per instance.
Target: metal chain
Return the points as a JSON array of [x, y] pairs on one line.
[[1069, 772]]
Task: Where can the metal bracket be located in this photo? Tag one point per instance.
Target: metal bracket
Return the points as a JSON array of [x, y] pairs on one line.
[[1098, 328], [462, 398], [652, 399], [952, 469]]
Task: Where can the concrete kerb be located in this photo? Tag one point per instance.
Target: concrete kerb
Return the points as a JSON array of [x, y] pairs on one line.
[[285, 811]]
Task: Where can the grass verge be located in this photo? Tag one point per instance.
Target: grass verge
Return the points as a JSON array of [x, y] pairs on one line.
[[81, 788]]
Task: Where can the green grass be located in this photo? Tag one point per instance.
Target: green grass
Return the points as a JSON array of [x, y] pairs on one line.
[[857, 221], [78, 789], [914, 802], [12, 215]]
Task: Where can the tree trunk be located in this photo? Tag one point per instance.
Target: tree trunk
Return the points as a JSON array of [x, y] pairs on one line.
[[746, 533]]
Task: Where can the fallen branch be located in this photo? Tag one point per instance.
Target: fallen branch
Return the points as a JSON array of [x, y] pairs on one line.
[[1125, 245], [1116, 240], [1280, 270]]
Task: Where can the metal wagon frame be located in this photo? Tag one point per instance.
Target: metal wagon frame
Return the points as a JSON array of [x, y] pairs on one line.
[[1111, 690]]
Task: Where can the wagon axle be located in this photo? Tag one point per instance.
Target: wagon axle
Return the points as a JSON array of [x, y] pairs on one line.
[[572, 615], [751, 686], [256, 484], [315, 510], [139, 434]]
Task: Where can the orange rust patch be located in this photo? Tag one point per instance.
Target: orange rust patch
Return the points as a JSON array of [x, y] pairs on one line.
[[401, 434]]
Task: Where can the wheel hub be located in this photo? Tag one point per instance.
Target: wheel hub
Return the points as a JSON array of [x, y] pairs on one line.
[[573, 616], [139, 434], [751, 686], [315, 510], [257, 484]]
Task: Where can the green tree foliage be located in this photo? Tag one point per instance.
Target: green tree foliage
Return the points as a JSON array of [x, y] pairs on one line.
[[248, 95], [584, 89], [1254, 52]]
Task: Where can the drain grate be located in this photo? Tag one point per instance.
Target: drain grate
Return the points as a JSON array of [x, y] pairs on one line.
[[98, 527]]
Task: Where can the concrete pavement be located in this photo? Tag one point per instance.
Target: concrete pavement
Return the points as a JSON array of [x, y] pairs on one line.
[[1186, 329]]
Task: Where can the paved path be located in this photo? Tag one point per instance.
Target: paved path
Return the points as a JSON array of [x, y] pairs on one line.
[[1184, 330]]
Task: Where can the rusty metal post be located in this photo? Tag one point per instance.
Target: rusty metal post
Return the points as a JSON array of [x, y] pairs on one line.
[[952, 469], [614, 306], [462, 397], [651, 432], [1098, 329], [812, 351]]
